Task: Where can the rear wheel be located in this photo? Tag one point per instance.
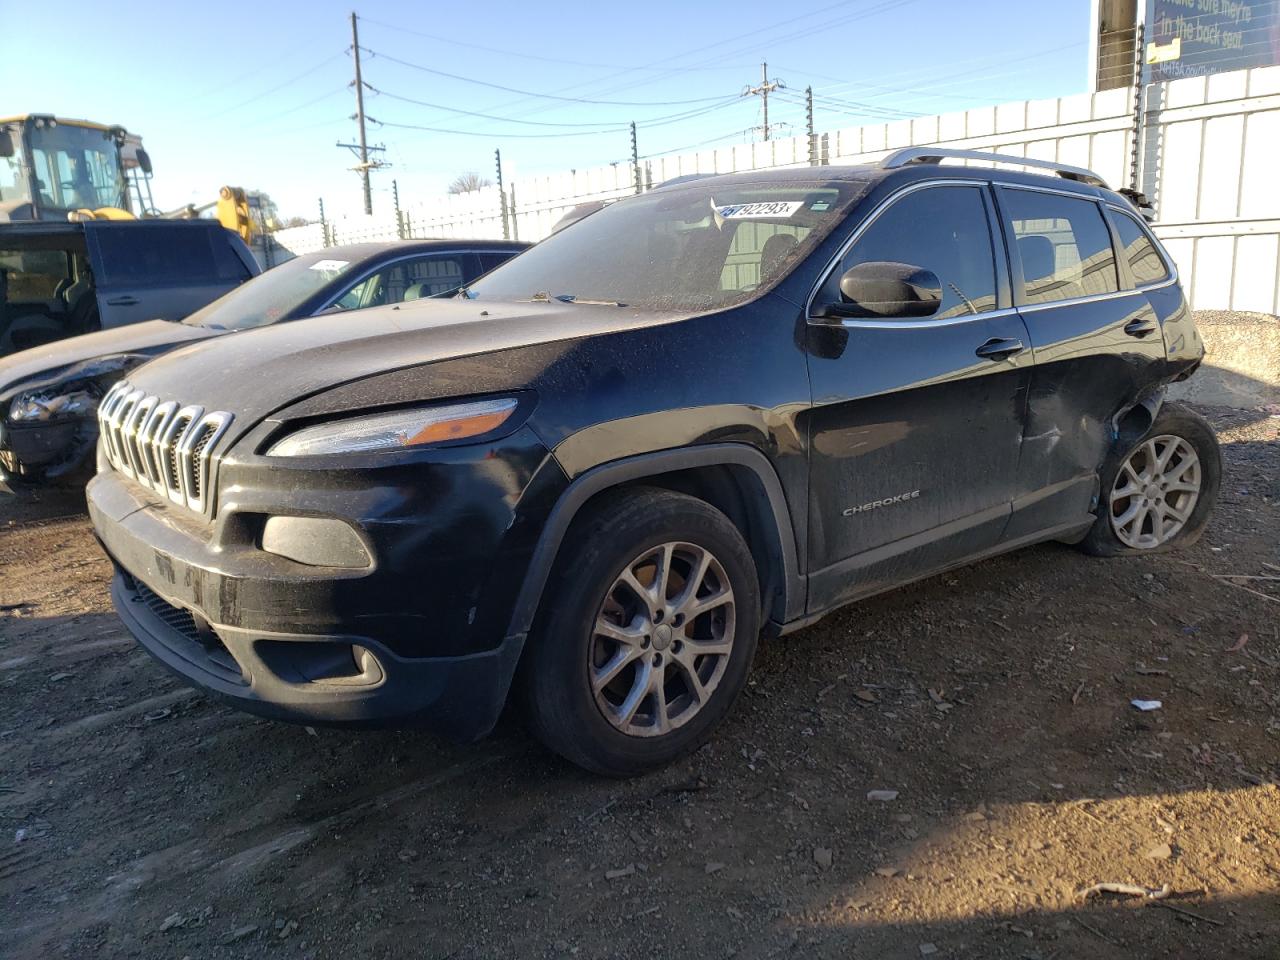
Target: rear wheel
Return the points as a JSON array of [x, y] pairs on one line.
[[648, 632], [1157, 493]]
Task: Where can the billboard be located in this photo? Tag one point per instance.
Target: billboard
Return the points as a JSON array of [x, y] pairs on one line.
[[1191, 38]]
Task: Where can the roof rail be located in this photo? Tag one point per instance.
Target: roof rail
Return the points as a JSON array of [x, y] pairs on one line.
[[910, 155]]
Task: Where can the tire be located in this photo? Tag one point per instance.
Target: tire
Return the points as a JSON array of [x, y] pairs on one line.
[[584, 669], [1175, 515]]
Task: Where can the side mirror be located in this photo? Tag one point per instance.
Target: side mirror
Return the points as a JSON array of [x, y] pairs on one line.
[[886, 289], [144, 161], [6, 144]]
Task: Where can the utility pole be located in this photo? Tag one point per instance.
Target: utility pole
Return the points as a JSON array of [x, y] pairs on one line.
[[502, 195], [364, 145], [635, 157], [766, 87], [808, 117]]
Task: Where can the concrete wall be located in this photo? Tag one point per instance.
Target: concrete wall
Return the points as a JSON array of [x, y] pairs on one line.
[[1208, 154]]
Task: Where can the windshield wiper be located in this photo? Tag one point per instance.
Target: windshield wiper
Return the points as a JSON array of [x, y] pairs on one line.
[[545, 297]]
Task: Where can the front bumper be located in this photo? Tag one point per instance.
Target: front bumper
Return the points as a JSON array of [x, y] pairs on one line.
[[418, 637], [33, 452], [318, 679]]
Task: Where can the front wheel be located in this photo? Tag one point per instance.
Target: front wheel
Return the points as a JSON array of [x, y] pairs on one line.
[[649, 630], [1157, 494]]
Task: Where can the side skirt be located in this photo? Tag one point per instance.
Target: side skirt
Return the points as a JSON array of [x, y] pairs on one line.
[[1068, 532]]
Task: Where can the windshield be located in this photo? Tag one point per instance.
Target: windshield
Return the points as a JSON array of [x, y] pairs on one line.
[[699, 247], [273, 295], [76, 167]]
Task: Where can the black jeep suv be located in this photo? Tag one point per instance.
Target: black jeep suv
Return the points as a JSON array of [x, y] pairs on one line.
[[726, 406]]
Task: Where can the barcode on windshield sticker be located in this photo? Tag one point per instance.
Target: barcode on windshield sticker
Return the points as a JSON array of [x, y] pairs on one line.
[[329, 265], [775, 208]]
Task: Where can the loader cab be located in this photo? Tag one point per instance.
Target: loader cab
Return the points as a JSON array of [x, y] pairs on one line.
[[50, 168]]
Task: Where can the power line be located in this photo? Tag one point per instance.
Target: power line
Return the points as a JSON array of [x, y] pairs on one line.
[[699, 50], [490, 135], [474, 113], [620, 124], [280, 86], [530, 93], [514, 53], [929, 77], [701, 143], [619, 128], [301, 106]]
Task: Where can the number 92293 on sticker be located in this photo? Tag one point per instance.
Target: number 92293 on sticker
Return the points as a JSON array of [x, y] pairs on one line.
[[770, 209]]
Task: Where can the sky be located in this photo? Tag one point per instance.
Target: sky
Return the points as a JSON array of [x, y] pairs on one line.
[[258, 95]]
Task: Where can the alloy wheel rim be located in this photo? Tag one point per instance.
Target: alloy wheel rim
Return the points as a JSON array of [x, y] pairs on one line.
[[662, 639], [1155, 492]]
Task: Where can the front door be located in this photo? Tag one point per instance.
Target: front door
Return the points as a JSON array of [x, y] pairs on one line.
[[917, 423]]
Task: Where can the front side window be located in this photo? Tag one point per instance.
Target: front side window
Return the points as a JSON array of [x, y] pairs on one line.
[[943, 229], [1145, 263], [1064, 246], [691, 248], [406, 280]]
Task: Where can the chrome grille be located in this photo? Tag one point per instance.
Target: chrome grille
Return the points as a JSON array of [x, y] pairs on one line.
[[162, 445]]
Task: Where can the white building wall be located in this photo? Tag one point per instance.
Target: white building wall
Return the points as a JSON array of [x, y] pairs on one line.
[[1209, 155]]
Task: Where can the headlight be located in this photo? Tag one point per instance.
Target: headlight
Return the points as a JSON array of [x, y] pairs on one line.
[[38, 405], [397, 430]]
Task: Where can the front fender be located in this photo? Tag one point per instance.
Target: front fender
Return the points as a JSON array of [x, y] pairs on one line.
[[615, 473]]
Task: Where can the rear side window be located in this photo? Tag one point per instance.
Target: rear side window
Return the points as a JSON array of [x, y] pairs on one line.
[[1145, 263], [1064, 246], [943, 229], [427, 277], [162, 256], [492, 258]]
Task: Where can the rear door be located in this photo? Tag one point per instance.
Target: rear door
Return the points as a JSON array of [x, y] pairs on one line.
[[148, 271], [917, 424], [1095, 339]]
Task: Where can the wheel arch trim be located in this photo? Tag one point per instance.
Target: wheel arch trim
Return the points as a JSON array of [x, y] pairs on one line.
[[619, 472]]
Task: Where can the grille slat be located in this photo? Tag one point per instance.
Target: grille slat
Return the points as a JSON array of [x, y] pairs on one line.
[[163, 446]]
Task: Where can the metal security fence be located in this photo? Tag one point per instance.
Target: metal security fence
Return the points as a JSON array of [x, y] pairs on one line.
[[1204, 155]]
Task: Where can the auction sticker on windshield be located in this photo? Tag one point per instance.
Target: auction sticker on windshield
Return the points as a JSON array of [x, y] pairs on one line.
[[774, 208], [329, 266]]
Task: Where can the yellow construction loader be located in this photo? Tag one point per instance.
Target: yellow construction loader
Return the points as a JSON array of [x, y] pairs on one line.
[[53, 168]]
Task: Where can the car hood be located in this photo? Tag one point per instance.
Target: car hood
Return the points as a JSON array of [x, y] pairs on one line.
[[46, 363], [256, 372]]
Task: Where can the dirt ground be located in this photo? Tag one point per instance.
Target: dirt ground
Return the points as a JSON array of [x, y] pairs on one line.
[[140, 819]]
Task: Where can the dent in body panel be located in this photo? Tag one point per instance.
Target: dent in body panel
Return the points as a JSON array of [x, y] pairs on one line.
[[1087, 369]]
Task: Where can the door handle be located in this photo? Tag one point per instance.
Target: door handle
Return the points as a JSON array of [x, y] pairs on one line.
[[1140, 328], [999, 349], [125, 301]]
